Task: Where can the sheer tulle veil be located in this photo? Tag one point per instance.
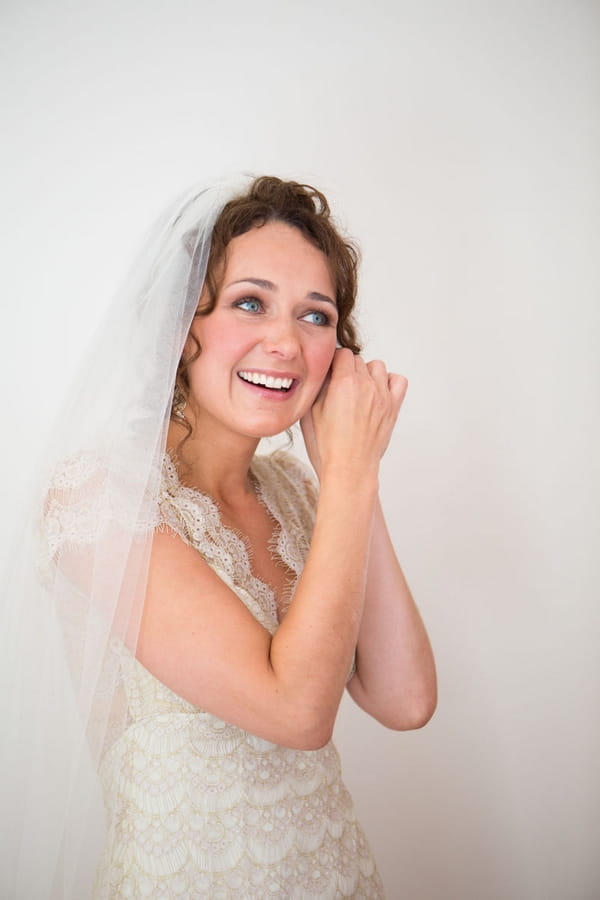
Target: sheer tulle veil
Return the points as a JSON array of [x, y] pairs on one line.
[[72, 596]]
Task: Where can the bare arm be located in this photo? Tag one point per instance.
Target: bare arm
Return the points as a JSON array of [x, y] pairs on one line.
[[395, 679], [198, 638]]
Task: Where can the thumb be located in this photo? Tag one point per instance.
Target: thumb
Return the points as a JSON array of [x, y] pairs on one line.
[[310, 442], [308, 428]]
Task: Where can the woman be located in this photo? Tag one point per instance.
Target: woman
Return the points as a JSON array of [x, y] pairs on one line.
[[212, 607]]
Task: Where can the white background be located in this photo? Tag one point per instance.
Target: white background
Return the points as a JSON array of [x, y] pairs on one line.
[[460, 145]]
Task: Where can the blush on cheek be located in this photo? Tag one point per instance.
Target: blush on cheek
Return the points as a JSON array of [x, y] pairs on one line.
[[326, 361], [325, 369], [216, 336]]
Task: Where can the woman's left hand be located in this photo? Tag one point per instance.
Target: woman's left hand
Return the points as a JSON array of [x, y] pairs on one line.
[[391, 386]]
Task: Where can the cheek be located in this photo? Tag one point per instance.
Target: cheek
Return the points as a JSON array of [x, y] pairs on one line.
[[219, 341], [324, 357], [320, 363]]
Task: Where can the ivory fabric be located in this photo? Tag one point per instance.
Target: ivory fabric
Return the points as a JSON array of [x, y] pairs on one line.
[[200, 808]]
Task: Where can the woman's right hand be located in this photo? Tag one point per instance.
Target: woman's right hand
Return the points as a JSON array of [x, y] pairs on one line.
[[352, 419]]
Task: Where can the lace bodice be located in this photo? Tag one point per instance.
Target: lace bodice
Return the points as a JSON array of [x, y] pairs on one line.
[[288, 494], [199, 808]]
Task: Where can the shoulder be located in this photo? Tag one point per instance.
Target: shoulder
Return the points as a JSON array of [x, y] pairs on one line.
[[90, 501], [86, 494]]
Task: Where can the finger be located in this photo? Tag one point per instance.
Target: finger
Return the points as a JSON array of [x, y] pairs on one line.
[[344, 361], [376, 366], [308, 430], [306, 422], [397, 386], [360, 364], [378, 372], [320, 398]]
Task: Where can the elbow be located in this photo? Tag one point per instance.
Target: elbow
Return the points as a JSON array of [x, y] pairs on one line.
[[420, 716], [313, 741], [402, 712], [314, 738], [310, 732], [413, 715]]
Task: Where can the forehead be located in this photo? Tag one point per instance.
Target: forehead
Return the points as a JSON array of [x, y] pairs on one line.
[[276, 247]]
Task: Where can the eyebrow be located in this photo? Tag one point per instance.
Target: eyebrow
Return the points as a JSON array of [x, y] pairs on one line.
[[269, 286]]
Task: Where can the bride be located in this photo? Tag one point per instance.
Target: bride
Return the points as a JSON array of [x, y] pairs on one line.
[[179, 654]]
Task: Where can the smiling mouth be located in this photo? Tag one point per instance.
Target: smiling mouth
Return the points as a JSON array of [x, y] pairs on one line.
[[267, 381]]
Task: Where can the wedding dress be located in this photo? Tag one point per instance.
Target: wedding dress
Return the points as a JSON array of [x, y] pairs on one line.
[[98, 759], [200, 808]]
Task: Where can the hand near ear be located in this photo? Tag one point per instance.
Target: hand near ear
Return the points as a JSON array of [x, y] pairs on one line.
[[352, 419]]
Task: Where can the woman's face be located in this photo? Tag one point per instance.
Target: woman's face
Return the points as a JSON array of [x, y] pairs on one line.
[[269, 342]]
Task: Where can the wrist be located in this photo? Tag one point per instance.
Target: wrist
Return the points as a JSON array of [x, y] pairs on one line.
[[346, 478]]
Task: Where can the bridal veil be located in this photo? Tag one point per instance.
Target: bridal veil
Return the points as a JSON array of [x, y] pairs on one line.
[[76, 580]]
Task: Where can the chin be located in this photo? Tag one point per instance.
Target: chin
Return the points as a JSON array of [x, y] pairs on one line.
[[260, 430], [265, 433]]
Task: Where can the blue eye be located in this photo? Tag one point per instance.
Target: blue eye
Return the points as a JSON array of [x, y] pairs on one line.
[[250, 304], [316, 317]]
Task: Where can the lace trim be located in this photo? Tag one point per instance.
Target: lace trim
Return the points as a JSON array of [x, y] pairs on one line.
[[87, 497], [283, 489], [200, 808]]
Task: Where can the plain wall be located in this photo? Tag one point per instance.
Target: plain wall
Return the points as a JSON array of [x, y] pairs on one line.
[[460, 144]]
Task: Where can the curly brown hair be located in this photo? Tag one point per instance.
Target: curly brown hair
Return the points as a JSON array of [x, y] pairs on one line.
[[269, 199]]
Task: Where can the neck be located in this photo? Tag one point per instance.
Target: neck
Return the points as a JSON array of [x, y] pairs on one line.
[[214, 462]]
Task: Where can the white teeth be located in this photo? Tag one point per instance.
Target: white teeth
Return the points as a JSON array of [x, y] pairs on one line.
[[267, 380]]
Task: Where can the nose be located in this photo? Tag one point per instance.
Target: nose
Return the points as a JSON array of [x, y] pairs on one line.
[[281, 339]]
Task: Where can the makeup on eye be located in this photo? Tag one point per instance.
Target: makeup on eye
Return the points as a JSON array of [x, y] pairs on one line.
[[246, 302], [314, 316], [323, 318]]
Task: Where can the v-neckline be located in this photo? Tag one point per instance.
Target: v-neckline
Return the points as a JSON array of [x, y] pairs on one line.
[[278, 605]]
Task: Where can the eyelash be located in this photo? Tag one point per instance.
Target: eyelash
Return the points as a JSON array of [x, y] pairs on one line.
[[239, 303], [318, 312], [313, 312]]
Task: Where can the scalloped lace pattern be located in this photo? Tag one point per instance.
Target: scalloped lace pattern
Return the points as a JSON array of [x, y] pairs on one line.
[[79, 507], [200, 808]]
